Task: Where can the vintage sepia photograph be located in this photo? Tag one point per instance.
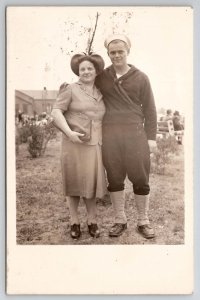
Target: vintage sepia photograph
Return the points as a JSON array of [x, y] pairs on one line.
[[99, 141]]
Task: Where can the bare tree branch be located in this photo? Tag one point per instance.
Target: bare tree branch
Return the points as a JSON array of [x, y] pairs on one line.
[[92, 39]]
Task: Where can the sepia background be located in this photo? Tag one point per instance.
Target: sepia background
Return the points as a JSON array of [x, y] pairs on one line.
[[44, 39], [40, 43]]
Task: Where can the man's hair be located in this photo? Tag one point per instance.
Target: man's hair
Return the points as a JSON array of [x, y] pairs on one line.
[[169, 111]]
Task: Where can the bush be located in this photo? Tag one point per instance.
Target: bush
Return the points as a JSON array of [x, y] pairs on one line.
[[166, 149], [39, 138], [35, 141], [49, 133], [24, 133]]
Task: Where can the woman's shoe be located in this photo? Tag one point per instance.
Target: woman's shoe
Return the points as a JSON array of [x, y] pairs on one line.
[[93, 230], [75, 231]]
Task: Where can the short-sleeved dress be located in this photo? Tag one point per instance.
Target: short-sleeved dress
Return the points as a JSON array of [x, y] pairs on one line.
[[82, 168]]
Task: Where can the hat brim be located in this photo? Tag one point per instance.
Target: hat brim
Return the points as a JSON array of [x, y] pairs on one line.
[[97, 59], [120, 37]]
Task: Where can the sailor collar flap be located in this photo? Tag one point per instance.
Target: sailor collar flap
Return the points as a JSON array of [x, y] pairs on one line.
[[120, 90], [112, 73]]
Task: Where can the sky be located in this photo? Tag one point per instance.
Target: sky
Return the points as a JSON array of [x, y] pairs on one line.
[[41, 41]]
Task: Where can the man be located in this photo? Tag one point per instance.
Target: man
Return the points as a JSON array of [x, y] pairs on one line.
[[169, 115], [129, 133]]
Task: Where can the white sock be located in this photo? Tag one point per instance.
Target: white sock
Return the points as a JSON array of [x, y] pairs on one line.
[[118, 203], [142, 204]]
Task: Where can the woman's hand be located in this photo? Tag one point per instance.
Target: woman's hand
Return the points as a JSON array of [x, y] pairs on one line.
[[62, 125], [74, 137]]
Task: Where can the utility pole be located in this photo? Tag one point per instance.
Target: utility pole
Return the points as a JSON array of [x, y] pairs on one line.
[[44, 97]]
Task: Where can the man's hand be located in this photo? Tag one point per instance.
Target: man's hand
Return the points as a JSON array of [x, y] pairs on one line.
[[152, 146]]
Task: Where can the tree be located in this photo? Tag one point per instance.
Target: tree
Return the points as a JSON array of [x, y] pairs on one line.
[[78, 34], [85, 34]]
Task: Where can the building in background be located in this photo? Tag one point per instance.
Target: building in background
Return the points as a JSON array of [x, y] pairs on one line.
[[33, 102]]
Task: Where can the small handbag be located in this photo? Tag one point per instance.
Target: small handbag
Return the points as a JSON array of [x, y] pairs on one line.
[[78, 122], [81, 123]]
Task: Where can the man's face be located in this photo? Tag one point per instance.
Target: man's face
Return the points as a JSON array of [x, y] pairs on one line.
[[117, 51]]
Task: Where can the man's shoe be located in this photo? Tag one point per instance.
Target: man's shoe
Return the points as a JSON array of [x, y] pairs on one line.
[[93, 230], [75, 231], [146, 231], [117, 229]]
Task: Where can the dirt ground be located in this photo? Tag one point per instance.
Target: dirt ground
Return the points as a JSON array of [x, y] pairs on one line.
[[43, 216]]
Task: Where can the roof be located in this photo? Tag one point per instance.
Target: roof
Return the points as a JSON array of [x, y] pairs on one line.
[[39, 94]]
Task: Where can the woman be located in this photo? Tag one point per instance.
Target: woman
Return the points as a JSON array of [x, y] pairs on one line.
[[81, 158]]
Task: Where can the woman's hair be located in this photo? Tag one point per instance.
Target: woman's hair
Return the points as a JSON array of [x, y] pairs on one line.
[[90, 59]]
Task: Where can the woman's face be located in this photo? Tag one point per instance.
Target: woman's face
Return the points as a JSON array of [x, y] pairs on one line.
[[87, 72]]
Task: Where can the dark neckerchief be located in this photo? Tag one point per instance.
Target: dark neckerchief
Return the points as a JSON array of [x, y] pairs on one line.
[[120, 90]]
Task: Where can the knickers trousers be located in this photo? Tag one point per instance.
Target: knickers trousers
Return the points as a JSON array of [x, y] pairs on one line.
[[126, 153]]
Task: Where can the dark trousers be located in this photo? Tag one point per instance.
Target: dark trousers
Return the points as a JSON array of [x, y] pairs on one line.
[[126, 152]]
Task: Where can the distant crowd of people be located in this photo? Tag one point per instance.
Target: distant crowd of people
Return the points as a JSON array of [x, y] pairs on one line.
[[177, 119], [26, 126], [23, 119]]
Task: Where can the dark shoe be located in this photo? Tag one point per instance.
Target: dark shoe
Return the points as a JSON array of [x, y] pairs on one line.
[[117, 229], [146, 231], [75, 231], [93, 230]]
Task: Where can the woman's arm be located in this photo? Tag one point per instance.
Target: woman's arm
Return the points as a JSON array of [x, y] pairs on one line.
[[61, 123]]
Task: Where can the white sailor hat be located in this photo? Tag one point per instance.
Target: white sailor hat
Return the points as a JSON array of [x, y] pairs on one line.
[[120, 37]]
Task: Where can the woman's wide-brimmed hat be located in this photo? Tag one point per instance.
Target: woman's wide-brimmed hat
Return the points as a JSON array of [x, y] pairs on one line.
[[121, 37], [96, 59]]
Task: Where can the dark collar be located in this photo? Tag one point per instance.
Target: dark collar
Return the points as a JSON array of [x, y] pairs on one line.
[[112, 72]]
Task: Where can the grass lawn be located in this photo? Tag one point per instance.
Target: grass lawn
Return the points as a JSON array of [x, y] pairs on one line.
[[43, 216]]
